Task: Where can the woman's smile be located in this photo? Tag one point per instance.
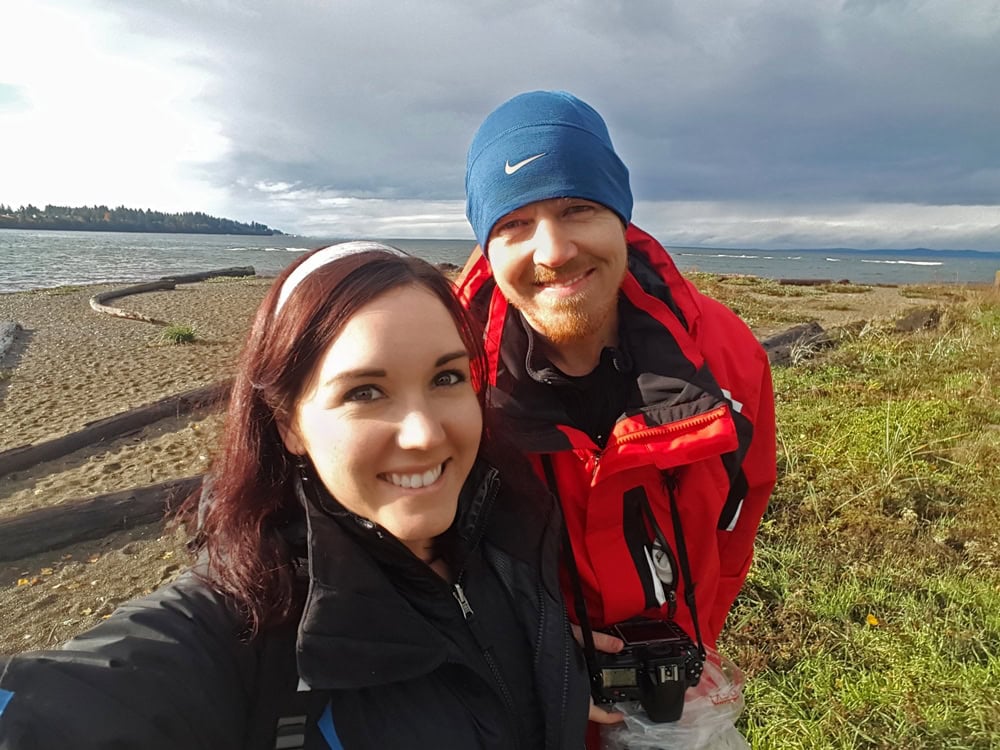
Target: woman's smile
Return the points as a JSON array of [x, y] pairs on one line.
[[414, 480]]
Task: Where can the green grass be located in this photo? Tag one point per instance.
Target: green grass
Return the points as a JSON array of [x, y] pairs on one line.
[[178, 334], [871, 616]]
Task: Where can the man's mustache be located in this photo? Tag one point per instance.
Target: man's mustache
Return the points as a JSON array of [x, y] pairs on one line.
[[545, 275]]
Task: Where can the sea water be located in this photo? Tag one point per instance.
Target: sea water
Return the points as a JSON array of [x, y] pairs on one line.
[[40, 259]]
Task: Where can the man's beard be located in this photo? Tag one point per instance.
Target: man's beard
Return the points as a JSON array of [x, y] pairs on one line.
[[570, 321]]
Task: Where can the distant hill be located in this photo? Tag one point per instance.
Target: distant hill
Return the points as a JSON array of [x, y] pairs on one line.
[[121, 219]]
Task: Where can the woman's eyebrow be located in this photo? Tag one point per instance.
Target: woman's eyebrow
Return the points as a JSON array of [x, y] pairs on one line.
[[366, 372], [355, 375], [446, 358]]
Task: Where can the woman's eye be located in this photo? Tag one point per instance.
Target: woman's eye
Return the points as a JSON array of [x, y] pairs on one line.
[[363, 393], [449, 377]]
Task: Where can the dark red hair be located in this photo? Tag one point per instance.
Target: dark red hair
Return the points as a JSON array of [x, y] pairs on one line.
[[252, 493]]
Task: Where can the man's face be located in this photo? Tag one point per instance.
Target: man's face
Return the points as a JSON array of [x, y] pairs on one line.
[[560, 262]]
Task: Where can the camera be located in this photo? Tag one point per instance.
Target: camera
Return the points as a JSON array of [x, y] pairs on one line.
[[659, 662]]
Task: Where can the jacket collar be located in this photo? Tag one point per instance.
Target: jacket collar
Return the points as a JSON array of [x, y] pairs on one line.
[[370, 610], [657, 313]]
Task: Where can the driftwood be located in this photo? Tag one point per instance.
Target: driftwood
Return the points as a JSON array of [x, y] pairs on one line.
[[83, 519], [166, 283], [91, 518], [114, 427], [782, 348], [98, 300], [190, 278], [8, 332]]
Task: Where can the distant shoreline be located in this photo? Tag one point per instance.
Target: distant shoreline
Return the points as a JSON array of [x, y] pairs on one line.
[[269, 233], [124, 219]]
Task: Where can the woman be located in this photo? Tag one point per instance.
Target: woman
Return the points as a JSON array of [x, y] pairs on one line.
[[357, 545]]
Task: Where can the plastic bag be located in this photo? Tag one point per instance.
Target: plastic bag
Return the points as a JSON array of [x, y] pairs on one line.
[[708, 722]]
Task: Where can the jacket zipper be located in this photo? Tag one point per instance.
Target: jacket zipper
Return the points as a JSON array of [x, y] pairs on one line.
[[459, 595], [487, 652], [679, 426], [492, 487]]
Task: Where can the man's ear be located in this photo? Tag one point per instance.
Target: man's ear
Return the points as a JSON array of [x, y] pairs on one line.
[[290, 437]]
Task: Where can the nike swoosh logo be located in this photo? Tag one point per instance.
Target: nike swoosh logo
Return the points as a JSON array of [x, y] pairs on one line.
[[511, 168]]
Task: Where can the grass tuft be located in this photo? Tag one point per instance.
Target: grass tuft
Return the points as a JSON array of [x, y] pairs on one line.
[[178, 334]]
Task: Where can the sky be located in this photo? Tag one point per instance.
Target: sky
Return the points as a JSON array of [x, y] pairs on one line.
[[744, 123]]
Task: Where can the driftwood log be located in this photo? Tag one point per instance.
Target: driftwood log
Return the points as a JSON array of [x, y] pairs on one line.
[[88, 518], [190, 278], [166, 283], [91, 518], [8, 332], [98, 300], [114, 427]]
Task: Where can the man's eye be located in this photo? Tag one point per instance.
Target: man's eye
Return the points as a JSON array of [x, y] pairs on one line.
[[364, 393], [579, 208], [510, 225], [449, 377]]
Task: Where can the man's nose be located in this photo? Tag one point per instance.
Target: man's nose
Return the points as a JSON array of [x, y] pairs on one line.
[[420, 428], [553, 245]]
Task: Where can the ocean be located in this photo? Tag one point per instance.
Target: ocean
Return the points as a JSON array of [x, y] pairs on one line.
[[36, 260]]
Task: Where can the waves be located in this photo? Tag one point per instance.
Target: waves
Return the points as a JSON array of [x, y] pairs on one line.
[[34, 259], [748, 256], [860, 266], [268, 249], [906, 262]]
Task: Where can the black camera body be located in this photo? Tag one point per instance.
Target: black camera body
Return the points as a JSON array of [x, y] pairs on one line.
[[659, 662]]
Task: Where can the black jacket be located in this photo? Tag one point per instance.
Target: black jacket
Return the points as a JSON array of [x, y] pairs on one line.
[[388, 655]]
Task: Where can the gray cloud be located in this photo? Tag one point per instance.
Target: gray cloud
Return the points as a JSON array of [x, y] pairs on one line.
[[785, 102]]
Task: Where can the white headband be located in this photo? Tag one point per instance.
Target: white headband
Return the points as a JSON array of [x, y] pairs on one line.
[[327, 255]]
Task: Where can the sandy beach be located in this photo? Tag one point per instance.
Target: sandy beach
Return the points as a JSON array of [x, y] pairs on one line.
[[72, 365]]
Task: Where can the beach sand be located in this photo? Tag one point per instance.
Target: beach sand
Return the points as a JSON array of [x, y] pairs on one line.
[[72, 366]]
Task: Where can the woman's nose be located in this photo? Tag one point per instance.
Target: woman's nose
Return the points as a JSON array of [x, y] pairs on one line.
[[420, 428]]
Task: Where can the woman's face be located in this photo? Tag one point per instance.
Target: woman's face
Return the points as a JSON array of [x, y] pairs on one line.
[[389, 418]]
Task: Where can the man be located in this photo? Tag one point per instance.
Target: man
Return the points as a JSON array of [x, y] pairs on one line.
[[646, 406]]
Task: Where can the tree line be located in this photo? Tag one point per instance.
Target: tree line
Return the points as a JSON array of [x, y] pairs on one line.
[[122, 219]]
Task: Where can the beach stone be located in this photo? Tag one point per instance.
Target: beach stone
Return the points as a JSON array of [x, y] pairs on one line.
[[918, 319], [797, 342]]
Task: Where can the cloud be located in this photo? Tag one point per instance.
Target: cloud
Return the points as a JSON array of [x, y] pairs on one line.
[[796, 107], [740, 224], [95, 122]]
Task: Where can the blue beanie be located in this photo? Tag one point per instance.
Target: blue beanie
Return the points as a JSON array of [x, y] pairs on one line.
[[541, 145]]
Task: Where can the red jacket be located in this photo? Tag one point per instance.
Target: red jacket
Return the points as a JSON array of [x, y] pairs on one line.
[[699, 425]]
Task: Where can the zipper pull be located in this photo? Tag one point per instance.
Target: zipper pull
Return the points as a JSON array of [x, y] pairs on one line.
[[597, 464], [462, 601]]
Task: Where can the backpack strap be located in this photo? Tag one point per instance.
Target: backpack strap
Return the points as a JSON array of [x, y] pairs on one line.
[[284, 706]]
